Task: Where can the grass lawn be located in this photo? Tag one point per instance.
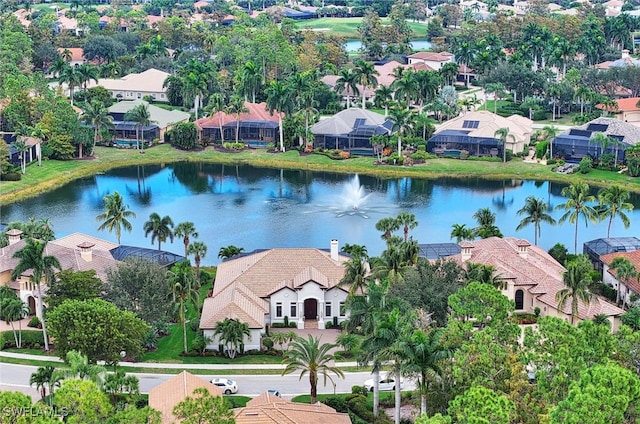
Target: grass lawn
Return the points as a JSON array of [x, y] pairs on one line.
[[50, 7], [348, 27], [54, 174], [560, 120], [383, 396]]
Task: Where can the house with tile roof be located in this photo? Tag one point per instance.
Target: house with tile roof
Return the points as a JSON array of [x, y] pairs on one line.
[[275, 286], [475, 133], [625, 110], [256, 126], [165, 396], [434, 60], [532, 278], [270, 409], [577, 142], [624, 61], [351, 130], [629, 290], [77, 252], [136, 86]]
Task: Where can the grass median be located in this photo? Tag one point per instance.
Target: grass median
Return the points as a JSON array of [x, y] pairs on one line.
[[54, 174]]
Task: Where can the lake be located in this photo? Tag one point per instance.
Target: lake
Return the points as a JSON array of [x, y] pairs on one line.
[[262, 208], [417, 45]]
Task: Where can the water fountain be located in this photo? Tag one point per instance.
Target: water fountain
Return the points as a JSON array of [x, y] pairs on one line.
[[353, 194]]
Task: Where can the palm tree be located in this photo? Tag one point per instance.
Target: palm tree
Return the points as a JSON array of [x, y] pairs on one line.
[[118, 383], [236, 107], [250, 80], [195, 87], [406, 221], [184, 290], [576, 280], [550, 133], [387, 226], [280, 100], [313, 359], [80, 368], [461, 232], [159, 228], [449, 72], [625, 271], [72, 77], [87, 73], [614, 201], [497, 89], [217, 104], [232, 333], [21, 146], [142, 117], [535, 212], [347, 81], [406, 88], [96, 115], [186, 230], [577, 204], [424, 352], [485, 274], [14, 309], [463, 51], [383, 96], [402, 121], [116, 214], [486, 220], [42, 378], [230, 251], [366, 75], [355, 275], [199, 250], [502, 134], [602, 140], [33, 257]]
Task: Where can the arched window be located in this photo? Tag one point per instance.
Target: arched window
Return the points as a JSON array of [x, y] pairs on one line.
[[519, 299]]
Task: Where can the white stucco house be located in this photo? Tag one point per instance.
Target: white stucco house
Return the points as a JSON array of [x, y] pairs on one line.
[[629, 290], [277, 285]]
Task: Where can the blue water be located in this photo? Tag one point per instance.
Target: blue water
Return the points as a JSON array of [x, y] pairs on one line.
[[263, 208], [354, 45]]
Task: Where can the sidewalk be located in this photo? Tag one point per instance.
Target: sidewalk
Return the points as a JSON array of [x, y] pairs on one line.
[[152, 365]]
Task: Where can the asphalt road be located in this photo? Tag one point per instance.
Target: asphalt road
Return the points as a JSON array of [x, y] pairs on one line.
[[16, 378]]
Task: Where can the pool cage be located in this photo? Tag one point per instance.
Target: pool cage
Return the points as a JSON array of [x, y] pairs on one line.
[[249, 131], [161, 257], [602, 246], [126, 130], [357, 141], [447, 141], [438, 250], [578, 143]]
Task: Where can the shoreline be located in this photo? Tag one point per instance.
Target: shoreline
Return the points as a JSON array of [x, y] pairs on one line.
[[54, 174]]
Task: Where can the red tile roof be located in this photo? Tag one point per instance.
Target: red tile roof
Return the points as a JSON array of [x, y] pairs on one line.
[[432, 56], [624, 105], [256, 112], [634, 258], [77, 53]]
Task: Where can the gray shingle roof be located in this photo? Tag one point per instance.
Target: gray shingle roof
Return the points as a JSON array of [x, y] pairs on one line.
[[343, 122]]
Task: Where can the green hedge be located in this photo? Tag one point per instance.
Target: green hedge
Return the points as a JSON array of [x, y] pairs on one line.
[[30, 339]]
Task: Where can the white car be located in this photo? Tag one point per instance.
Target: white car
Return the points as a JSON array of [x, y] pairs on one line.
[[387, 382], [225, 385]]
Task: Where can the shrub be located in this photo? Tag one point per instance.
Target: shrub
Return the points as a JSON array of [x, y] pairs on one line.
[[525, 318], [277, 325], [585, 165], [35, 322], [541, 149], [337, 402], [267, 342], [150, 340], [464, 154], [329, 324], [11, 176], [194, 324], [30, 339], [1, 341], [286, 320], [551, 161], [422, 155], [536, 311], [234, 146], [293, 325], [359, 390]]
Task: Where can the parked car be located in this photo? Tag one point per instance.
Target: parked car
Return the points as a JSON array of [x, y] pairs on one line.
[[225, 385], [387, 382], [274, 392]]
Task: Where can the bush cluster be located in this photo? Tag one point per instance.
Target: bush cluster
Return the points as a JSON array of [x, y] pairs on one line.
[[30, 339]]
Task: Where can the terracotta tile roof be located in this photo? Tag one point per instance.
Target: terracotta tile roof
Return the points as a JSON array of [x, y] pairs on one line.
[[634, 258], [164, 397], [242, 284], [149, 81], [433, 56], [77, 53], [624, 105], [535, 271], [268, 409], [256, 112]]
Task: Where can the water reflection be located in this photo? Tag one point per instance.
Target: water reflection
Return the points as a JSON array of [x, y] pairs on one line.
[[260, 208]]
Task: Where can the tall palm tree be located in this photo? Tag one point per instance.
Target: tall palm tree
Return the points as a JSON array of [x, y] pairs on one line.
[[236, 107], [387, 226], [185, 290], [186, 230], [115, 216], [403, 120], [502, 134], [464, 53], [406, 221], [576, 280], [217, 104], [535, 212], [449, 71], [42, 378], [195, 87], [347, 82], [366, 75], [612, 202], [21, 146], [33, 257], [161, 229], [231, 334], [312, 359], [461, 232], [424, 352], [142, 117], [199, 250], [80, 368], [602, 140], [87, 72], [279, 100], [14, 309], [72, 77], [355, 275], [497, 89], [406, 88], [577, 204], [625, 271], [383, 96], [550, 132], [96, 115], [486, 220], [250, 80]]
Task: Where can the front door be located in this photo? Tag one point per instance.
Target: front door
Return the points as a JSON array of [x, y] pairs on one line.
[[310, 309]]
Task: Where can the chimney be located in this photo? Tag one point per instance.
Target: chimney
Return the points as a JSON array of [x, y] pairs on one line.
[[334, 249], [523, 248], [465, 253], [625, 54], [86, 251], [14, 235]]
